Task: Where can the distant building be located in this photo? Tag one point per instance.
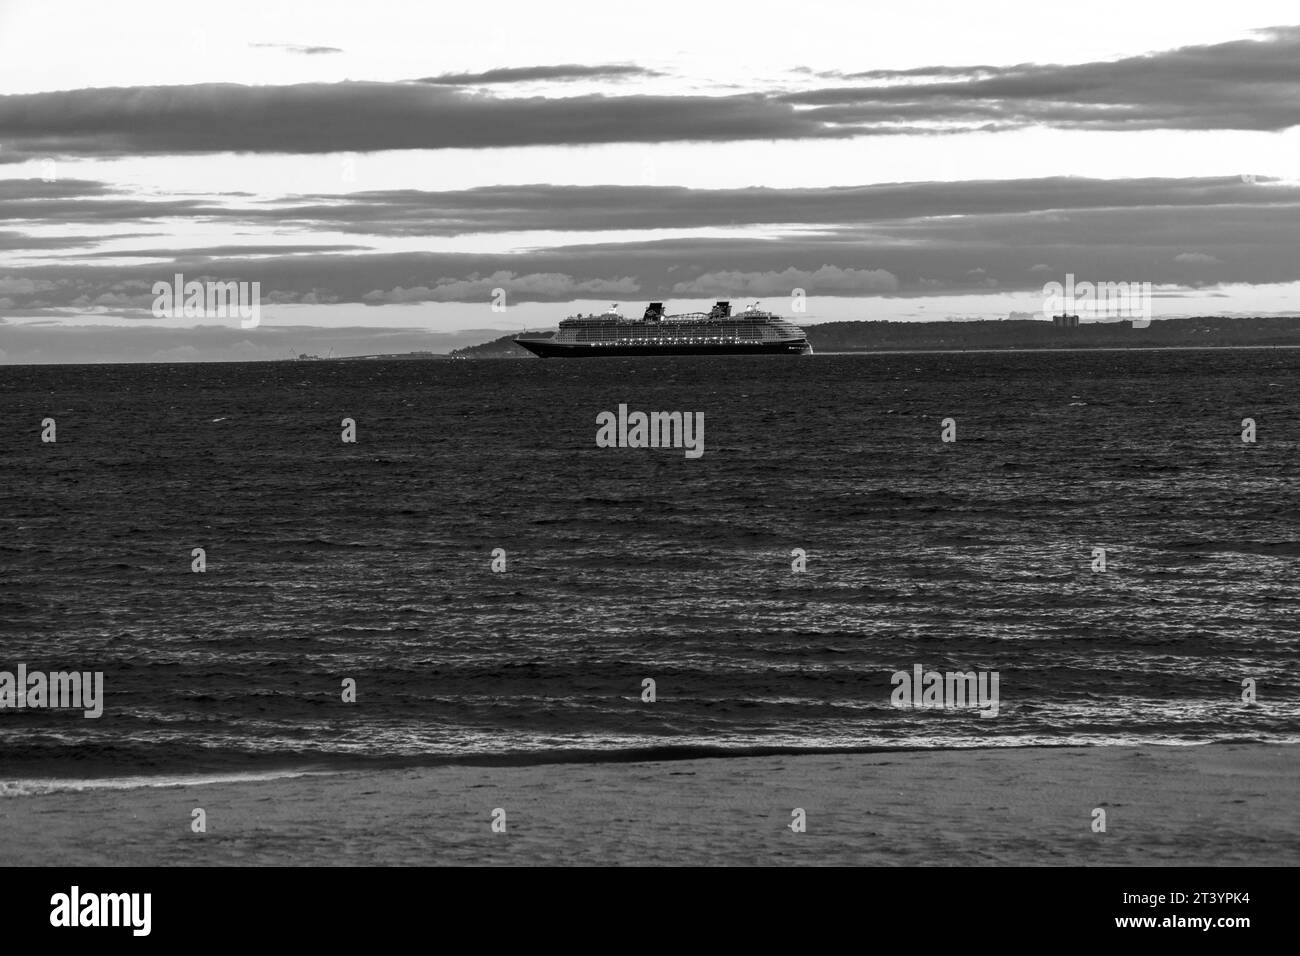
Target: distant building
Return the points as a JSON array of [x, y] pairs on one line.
[[1065, 321]]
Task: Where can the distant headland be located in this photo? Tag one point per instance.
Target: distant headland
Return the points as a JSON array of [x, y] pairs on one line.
[[868, 336]]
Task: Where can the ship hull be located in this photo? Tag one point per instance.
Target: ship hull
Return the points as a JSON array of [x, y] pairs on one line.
[[547, 348]]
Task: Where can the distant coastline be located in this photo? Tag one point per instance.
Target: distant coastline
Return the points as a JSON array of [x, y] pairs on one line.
[[1009, 335]]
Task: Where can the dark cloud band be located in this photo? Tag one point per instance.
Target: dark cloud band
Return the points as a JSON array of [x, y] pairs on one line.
[[1241, 85]]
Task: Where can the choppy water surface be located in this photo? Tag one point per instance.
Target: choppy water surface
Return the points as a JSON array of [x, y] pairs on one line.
[[372, 561]]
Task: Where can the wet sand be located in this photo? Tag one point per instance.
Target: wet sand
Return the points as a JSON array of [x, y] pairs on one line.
[[1223, 804]]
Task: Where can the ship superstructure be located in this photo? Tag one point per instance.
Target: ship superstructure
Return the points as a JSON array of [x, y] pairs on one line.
[[751, 331]]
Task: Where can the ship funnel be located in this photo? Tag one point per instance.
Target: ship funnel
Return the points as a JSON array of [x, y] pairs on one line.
[[721, 310]]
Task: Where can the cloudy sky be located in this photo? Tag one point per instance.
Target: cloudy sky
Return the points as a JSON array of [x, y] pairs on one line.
[[381, 167]]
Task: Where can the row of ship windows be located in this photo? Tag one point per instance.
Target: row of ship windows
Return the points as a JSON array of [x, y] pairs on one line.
[[658, 340], [674, 340], [671, 326], [743, 331]]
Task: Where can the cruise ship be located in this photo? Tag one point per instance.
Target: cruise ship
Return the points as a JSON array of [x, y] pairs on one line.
[[716, 332]]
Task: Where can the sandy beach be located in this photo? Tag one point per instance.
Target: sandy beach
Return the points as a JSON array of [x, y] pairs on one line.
[[1217, 805]]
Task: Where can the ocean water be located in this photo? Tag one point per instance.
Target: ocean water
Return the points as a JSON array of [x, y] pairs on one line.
[[371, 561]]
